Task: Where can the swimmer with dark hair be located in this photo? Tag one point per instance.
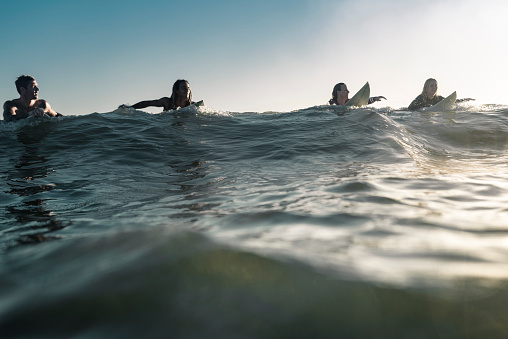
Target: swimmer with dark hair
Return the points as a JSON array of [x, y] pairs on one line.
[[340, 95], [28, 104], [180, 97]]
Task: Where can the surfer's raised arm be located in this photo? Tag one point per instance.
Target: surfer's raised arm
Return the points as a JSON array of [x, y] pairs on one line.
[[180, 97], [28, 104]]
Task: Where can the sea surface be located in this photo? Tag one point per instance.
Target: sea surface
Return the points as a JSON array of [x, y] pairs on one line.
[[319, 223]]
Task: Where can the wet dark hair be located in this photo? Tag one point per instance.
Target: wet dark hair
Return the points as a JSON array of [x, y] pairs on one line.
[[176, 85], [334, 91], [22, 82]]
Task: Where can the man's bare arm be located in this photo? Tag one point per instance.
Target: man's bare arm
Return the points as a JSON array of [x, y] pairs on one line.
[[47, 109], [10, 111]]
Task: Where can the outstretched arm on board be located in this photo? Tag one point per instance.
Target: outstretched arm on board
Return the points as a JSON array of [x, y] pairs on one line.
[[465, 99], [374, 99], [162, 102]]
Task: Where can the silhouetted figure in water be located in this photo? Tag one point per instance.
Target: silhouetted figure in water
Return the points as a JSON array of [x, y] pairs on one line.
[[180, 97], [340, 95], [28, 104]]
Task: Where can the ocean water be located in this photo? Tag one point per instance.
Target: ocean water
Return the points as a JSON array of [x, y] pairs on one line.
[[197, 223]]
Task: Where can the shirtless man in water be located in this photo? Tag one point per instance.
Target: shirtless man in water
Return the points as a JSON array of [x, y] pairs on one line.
[[28, 103]]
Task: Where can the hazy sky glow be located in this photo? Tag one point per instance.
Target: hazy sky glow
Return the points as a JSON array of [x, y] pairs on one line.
[[91, 56]]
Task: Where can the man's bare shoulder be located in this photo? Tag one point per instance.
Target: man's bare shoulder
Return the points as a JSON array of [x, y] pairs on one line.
[[10, 109]]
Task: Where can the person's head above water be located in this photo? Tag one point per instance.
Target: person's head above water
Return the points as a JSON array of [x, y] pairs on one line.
[[430, 88], [340, 94], [181, 90], [26, 85]]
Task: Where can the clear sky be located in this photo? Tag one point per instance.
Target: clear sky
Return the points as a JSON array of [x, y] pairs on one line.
[[264, 55]]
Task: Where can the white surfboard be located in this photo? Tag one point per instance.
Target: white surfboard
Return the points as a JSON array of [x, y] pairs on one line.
[[361, 98], [445, 104]]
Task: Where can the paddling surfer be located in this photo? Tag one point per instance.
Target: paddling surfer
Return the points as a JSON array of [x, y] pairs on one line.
[[28, 104], [181, 96], [429, 96], [340, 95]]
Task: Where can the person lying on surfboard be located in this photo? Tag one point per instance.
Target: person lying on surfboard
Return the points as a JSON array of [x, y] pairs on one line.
[[180, 97], [429, 96], [340, 95], [28, 103]]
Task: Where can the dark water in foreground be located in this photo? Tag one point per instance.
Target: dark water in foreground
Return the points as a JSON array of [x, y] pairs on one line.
[[196, 223]]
